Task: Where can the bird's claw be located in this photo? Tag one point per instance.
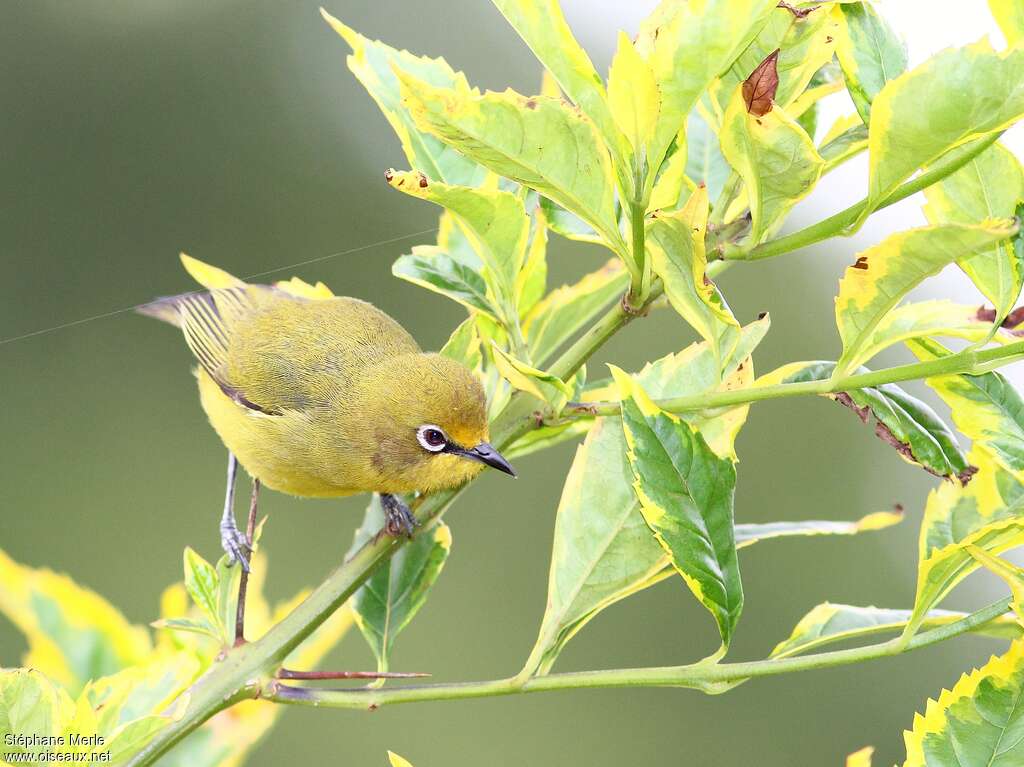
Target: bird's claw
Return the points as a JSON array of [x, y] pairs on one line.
[[235, 544], [398, 519]]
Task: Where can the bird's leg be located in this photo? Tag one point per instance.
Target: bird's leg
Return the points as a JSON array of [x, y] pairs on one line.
[[398, 519], [231, 540], [243, 582]]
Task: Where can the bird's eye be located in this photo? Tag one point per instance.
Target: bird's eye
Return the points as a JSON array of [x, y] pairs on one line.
[[432, 438]]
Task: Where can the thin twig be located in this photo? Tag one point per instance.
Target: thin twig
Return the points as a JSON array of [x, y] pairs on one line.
[[287, 673], [243, 583]]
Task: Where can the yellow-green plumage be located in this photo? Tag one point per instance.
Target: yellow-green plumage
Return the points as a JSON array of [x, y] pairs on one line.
[[321, 395]]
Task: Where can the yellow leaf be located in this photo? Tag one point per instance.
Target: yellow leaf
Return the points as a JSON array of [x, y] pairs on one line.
[[633, 95], [302, 289], [860, 758], [1014, 576], [397, 761], [1009, 14], [210, 277], [544, 386]]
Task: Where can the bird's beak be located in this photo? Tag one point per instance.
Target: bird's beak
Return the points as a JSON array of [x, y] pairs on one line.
[[488, 455]]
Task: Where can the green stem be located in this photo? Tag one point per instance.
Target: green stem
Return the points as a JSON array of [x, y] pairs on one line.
[[836, 224], [968, 361], [247, 670], [702, 675]]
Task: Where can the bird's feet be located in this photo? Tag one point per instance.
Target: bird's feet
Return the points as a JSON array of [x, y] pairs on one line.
[[234, 543], [398, 520]]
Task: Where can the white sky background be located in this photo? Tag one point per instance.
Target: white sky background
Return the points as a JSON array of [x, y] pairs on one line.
[[927, 26]]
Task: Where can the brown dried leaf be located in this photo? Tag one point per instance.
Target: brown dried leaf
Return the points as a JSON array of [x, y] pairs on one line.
[[759, 89]]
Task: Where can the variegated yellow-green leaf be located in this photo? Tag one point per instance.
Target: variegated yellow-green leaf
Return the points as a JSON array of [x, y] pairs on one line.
[[672, 186], [1013, 575], [914, 122], [430, 267], [885, 273], [464, 344], [542, 26], [390, 598], [566, 310], [676, 244], [687, 46], [31, 705], [549, 389], [978, 722], [775, 158], [905, 423], [633, 95], [869, 51], [934, 319], [989, 186], [686, 498], [958, 517], [805, 45], [829, 623], [567, 224], [603, 550], [538, 141], [532, 282], [494, 221], [201, 583], [847, 138], [1009, 14], [73, 634], [986, 408], [373, 63]]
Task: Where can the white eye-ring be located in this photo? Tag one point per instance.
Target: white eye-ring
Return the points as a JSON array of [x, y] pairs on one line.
[[432, 438]]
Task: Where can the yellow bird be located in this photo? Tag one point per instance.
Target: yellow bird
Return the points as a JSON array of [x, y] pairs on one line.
[[318, 395]]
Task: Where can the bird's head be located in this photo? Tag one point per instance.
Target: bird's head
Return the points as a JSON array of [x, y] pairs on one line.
[[429, 416]]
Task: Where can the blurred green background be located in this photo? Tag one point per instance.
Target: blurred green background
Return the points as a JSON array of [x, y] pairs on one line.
[[234, 131]]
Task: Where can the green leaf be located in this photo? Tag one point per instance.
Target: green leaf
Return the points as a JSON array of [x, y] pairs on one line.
[[687, 46], [775, 158], [978, 722], [603, 550], [202, 585], [532, 282], [633, 95], [847, 138], [686, 498], [870, 53], [30, 704], [957, 518], [1013, 575], [566, 310], [549, 389], [396, 590], [986, 408], [989, 186], [747, 535], [885, 273], [538, 141], [1009, 14], [567, 224], [913, 122], [676, 244], [464, 344], [704, 161], [905, 423], [188, 625], [430, 267], [494, 222], [829, 623], [927, 318], [543, 27], [805, 45], [672, 187], [373, 63], [73, 633]]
